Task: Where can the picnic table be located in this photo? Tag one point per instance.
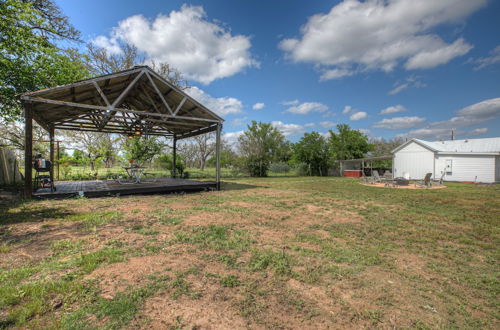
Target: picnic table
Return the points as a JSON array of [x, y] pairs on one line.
[[134, 172]]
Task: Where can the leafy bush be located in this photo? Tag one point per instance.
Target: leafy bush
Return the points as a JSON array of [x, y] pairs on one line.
[[302, 169], [166, 161], [279, 167], [256, 167]]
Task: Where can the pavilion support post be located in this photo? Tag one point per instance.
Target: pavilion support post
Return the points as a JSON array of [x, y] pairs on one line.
[[174, 158], [28, 149], [217, 155], [51, 148]]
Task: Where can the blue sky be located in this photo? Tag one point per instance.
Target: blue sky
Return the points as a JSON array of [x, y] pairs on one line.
[[389, 68]]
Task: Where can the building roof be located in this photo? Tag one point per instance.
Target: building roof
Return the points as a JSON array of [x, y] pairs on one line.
[[137, 100], [475, 146]]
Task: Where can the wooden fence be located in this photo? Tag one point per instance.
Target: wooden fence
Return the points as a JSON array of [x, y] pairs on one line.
[[9, 170]]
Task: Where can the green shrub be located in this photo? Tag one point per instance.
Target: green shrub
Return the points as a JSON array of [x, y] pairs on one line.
[[279, 167]]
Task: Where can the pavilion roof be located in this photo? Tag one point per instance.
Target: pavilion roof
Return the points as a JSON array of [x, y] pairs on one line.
[[126, 102]]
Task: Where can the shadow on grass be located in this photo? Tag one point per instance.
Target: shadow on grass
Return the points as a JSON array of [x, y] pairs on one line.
[[17, 212], [237, 186]]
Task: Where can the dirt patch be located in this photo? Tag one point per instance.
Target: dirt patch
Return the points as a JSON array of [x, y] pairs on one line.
[[119, 276], [31, 242], [409, 262], [410, 186], [213, 310]]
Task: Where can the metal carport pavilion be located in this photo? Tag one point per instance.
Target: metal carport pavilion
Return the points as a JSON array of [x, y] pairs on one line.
[[134, 101]]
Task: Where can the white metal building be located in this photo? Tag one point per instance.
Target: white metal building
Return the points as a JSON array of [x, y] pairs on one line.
[[472, 160]]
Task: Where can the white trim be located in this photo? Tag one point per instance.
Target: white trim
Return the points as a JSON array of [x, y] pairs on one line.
[[417, 141]]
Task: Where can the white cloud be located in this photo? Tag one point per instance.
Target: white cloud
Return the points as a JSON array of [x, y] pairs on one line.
[[441, 55], [309, 125], [484, 62], [347, 109], [258, 106], [238, 121], [354, 114], [399, 122], [202, 50], [409, 82], [220, 105], [112, 46], [477, 131], [485, 110], [294, 102], [326, 135], [469, 116], [365, 131], [328, 114], [357, 36], [430, 134], [288, 129], [232, 137], [358, 115], [327, 124], [392, 109], [307, 107], [335, 74]]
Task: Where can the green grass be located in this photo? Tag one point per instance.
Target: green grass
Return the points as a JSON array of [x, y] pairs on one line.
[[278, 261], [230, 281], [215, 237], [92, 220], [327, 251]]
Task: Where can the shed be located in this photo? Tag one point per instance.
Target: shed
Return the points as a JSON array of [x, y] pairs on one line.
[[469, 160]]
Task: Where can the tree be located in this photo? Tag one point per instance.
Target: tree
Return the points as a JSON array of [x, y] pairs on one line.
[[29, 56], [13, 137], [166, 161], [95, 146], [313, 150], [140, 149], [228, 157], [188, 150], [100, 61], [259, 145], [383, 147], [205, 147], [348, 143]]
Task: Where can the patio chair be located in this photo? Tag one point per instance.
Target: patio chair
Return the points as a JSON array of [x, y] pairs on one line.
[[426, 183], [440, 181], [377, 178], [398, 182]]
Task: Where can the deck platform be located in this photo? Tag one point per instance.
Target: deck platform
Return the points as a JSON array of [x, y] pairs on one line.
[[97, 188]]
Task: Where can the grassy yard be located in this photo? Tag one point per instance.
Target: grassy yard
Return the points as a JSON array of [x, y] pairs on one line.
[[84, 173], [263, 253]]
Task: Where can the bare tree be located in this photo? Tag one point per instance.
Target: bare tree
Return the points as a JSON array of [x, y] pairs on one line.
[[101, 61], [188, 151], [13, 136], [94, 145], [205, 146]]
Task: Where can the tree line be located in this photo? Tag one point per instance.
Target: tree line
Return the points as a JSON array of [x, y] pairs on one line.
[[40, 48]]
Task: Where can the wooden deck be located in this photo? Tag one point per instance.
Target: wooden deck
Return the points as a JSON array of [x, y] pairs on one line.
[[99, 188]]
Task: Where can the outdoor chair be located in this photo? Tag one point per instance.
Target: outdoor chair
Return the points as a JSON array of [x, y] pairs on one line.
[[401, 182], [426, 183], [440, 181], [387, 176], [377, 178]]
